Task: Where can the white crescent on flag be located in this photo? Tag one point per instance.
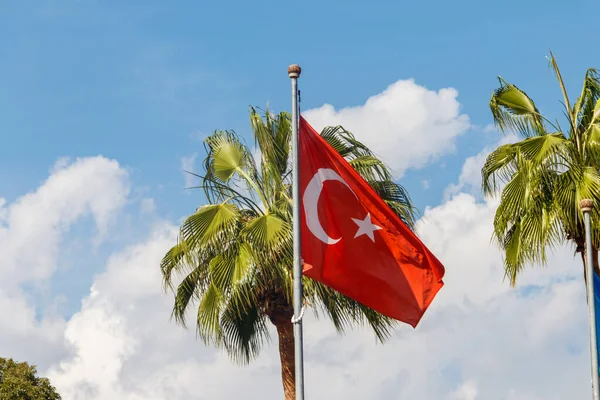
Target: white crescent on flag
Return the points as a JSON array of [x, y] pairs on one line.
[[310, 202]]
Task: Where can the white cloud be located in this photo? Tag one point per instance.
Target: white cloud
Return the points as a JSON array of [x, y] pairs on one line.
[[467, 391], [470, 176], [32, 230], [480, 339], [127, 348], [406, 124]]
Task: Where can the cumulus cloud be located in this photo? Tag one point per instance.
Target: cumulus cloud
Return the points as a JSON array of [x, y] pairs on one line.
[[406, 124], [32, 229], [481, 339], [126, 347], [469, 180], [467, 391]]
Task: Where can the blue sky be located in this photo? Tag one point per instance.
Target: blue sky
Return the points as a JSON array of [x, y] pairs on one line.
[[138, 81], [141, 82]]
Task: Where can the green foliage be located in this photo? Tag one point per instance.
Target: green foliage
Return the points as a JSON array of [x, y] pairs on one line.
[[542, 178], [233, 258], [18, 381]]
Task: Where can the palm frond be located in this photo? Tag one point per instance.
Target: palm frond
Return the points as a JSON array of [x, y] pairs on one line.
[[586, 109], [210, 225], [514, 110], [543, 148], [220, 192], [591, 146], [227, 157], [268, 232], [243, 335], [210, 308], [370, 168], [233, 267], [272, 135], [187, 292], [515, 254], [171, 261], [344, 142], [567, 104], [596, 113], [499, 168]]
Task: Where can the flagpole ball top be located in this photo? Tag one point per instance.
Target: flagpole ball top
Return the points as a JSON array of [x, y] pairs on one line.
[[294, 71], [586, 205]]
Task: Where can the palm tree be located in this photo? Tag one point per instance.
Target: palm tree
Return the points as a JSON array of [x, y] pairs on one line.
[[234, 254], [543, 177]]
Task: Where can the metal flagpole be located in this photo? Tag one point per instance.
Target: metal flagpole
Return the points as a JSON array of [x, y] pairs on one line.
[[294, 73], [586, 206]]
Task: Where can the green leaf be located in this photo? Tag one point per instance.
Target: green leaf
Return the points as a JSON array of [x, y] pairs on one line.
[[514, 110], [187, 291], [515, 100], [596, 113], [20, 381], [540, 148], [515, 195], [273, 138], [243, 265], [209, 311], [210, 225], [499, 167], [243, 334], [221, 269], [268, 232], [228, 158], [587, 103], [590, 184], [514, 258], [232, 267], [571, 116], [172, 261], [370, 168], [592, 143]]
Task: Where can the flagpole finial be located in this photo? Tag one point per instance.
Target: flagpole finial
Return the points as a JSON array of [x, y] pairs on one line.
[[586, 205], [294, 71]]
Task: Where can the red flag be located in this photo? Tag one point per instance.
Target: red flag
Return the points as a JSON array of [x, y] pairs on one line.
[[354, 243]]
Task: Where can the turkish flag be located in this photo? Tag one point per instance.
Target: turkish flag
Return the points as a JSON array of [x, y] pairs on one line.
[[354, 243]]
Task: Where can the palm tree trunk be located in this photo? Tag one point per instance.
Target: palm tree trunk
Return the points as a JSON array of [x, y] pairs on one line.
[[285, 333], [280, 312]]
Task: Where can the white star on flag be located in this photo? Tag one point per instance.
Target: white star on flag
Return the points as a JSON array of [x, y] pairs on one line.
[[366, 227]]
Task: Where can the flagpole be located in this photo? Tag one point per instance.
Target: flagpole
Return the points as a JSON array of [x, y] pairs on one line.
[[586, 206], [294, 73]]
